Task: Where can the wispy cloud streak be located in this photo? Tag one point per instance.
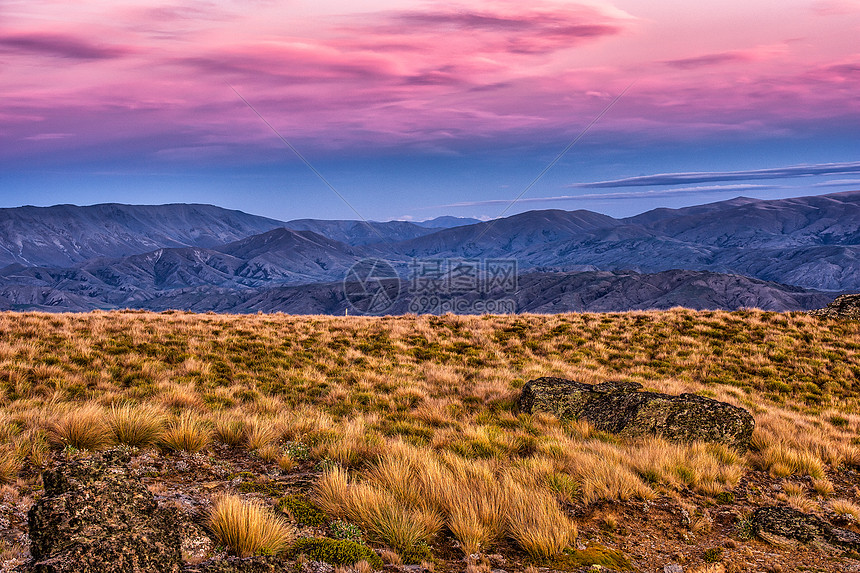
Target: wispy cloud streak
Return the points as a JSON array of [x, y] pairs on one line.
[[621, 195], [716, 176]]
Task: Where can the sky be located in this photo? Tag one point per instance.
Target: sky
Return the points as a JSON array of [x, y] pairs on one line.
[[409, 109]]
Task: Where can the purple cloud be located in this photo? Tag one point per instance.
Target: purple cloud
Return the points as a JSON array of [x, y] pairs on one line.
[[709, 60], [60, 46]]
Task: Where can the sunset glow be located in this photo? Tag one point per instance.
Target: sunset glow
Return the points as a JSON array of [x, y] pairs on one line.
[[408, 107]]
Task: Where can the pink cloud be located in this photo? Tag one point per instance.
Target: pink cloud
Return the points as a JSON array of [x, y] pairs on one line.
[[835, 7], [436, 77]]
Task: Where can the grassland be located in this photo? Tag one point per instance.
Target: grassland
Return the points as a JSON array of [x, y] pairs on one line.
[[410, 426]]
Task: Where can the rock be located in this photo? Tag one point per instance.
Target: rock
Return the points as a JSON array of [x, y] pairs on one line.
[[790, 523], [845, 306], [264, 564], [621, 408], [95, 517], [673, 568]]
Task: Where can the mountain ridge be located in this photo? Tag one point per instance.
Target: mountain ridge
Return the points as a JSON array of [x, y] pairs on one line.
[[809, 242]]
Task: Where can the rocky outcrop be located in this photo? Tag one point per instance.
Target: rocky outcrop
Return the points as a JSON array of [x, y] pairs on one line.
[[621, 408], [845, 306], [259, 564], [95, 517], [789, 523]]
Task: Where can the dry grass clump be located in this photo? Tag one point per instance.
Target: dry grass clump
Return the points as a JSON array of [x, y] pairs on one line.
[[783, 460], [353, 444], [376, 511], [536, 523], [603, 473], [187, 432], [10, 465], [229, 429], [135, 426], [260, 432], [823, 487], [82, 428], [32, 447], [706, 468], [846, 508], [799, 501], [247, 528], [479, 503]]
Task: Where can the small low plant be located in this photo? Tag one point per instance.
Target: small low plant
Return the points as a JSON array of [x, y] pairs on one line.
[[745, 528], [417, 554], [297, 451], [248, 528], [595, 555], [341, 529], [303, 511], [713, 555], [335, 551]]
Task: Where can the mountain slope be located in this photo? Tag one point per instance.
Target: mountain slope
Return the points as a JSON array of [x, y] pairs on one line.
[[65, 235], [599, 291], [502, 237], [358, 233], [819, 220]]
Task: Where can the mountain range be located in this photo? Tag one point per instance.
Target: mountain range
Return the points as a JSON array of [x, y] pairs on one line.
[[779, 254]]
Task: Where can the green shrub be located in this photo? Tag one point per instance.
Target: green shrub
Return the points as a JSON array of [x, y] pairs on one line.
[[416, 554], [725, 497], [303, 511], [593, 555], [713, 554], [335, 551]]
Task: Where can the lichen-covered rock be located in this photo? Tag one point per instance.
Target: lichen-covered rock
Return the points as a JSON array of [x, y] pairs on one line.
[[790, 523], [260, 564], [621, 408], [95, 517], [845, 306]]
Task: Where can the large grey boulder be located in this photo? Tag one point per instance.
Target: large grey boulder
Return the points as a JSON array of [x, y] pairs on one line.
[[621, 408], [96, 518], [789, 523], [845, 306]]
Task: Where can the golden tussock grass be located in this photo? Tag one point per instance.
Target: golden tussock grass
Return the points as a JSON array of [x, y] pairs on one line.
[[535, 521], [82, 428], [10, 465], [376, 510], [187, 432], [846, 508], [260, 433], [247, 528], [135, 426], [229, 429], [823, 487]]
